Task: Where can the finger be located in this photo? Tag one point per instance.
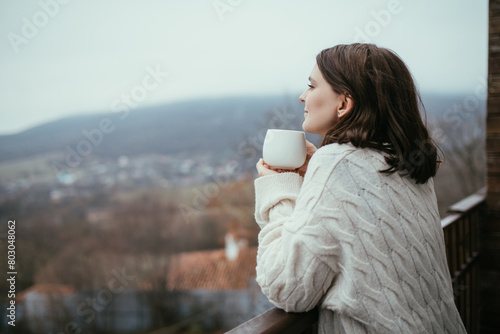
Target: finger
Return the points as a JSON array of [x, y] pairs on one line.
[[270, 167], [310, 147], [309, 144], [261, 169]]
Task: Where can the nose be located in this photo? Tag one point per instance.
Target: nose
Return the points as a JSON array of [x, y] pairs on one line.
[[302, 97]]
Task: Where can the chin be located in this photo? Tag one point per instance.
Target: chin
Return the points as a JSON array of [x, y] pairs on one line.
[[305, 127]]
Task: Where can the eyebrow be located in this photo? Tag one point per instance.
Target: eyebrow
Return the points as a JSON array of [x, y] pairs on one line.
[[311, 79]]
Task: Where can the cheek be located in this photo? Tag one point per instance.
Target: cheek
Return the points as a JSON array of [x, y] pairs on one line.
[[316, 106], [321, 108], [315, 101]]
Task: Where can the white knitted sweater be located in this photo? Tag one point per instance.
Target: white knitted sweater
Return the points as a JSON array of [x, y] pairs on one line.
[[366, 247]]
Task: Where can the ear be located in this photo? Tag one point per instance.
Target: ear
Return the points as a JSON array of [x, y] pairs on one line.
[[345, 106]]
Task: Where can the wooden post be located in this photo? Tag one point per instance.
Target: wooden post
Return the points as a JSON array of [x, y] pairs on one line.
[[490, 231]]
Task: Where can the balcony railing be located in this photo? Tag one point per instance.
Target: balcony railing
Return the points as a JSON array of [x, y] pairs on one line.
[[279, 321], [461, 233]]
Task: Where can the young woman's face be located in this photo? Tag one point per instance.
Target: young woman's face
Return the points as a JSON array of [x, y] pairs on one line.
[[321, 104]]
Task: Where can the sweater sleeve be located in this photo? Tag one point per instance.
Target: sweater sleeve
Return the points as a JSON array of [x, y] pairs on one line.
[[298, 253]]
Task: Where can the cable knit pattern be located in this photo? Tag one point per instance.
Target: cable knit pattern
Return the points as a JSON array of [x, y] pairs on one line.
[[366, 246]]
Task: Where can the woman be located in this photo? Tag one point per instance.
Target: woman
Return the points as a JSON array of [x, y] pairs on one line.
[[359, 235]]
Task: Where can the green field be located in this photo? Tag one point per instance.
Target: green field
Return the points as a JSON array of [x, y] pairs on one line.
[[27, 168]]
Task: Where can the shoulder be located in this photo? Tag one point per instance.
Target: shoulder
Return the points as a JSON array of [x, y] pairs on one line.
[[334, 160], [333, 154]]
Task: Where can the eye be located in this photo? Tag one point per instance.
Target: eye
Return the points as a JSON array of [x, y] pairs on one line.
[[310, 86]]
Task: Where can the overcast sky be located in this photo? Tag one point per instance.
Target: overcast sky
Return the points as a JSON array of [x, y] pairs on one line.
[[66, 57]]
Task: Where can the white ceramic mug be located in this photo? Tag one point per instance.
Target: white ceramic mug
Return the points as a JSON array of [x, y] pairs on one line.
[[284, 149]]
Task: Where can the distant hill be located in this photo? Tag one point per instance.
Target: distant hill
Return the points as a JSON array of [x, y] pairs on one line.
[[193, 126]]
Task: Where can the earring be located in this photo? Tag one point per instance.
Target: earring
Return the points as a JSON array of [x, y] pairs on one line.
[[339, 113]]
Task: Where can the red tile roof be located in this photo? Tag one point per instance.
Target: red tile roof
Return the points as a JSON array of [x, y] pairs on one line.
[[48, 289]]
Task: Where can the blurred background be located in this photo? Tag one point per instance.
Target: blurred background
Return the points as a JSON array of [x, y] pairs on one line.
[[130, 131]]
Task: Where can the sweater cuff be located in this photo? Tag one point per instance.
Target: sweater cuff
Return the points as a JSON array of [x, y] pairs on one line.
[[273, 189]]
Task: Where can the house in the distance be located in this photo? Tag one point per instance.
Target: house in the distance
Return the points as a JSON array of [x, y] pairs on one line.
[[42, 306], [217, 287]]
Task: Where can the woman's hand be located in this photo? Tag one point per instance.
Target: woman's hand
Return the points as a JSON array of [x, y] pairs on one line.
[[310, 151], [264, 169]]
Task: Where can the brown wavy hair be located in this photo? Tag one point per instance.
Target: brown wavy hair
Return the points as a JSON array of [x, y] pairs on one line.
[[385, 115]]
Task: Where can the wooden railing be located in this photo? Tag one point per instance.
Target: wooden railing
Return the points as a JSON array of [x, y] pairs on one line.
[[279, 321], [461, 232]]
